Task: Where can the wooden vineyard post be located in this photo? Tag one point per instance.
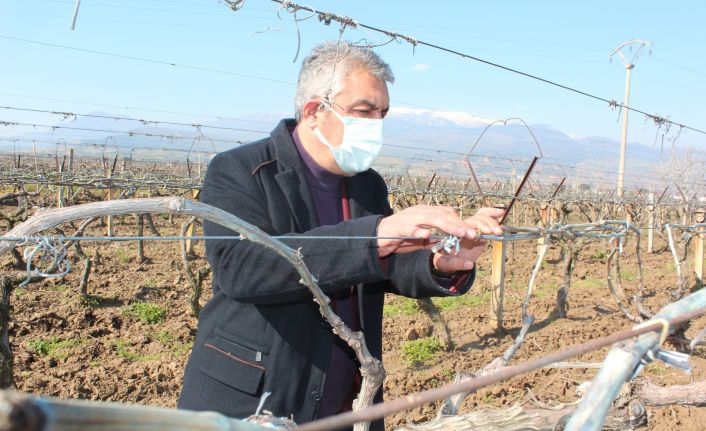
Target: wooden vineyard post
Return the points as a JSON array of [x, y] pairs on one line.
[[699, 248], [629, 213], [554, 214], [109, 218], [71, 173], [650, 223], [195, 193], [497, 279], [544, 222], [60, 194]]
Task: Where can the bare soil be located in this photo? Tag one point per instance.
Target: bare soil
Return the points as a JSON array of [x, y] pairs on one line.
[[93, 349]]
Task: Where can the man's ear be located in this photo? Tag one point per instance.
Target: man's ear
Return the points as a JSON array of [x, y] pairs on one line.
[[309, 112]]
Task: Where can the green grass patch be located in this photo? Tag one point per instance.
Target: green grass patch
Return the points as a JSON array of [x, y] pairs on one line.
[[124, 350], [656, 369], [165, 337], [486, 398], [589, 283], [53, 347], [171, 343], [628, 275], [599, 255], [123, 255], [545, 289], [146, 312], [409, 307], [180, 349], [421, 351], [400, 307], [470, 299], [448, 374], [58, 287], [91, 301]]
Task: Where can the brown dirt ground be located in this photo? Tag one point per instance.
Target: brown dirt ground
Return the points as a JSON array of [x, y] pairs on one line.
[[98, 352]]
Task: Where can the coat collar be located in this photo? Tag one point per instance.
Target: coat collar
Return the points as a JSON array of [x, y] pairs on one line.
[[291, 177], [362, 194]]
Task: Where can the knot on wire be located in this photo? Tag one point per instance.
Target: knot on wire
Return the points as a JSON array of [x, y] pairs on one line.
[[657, 119], [289, 6], [345, 21], [395, 36], [48, 249], [412, 41], [325, 18], [235, 5]]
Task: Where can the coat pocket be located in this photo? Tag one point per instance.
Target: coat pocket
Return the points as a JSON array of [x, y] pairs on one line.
[[233, 364]]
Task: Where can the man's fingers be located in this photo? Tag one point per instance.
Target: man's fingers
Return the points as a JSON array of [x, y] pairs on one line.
[[451, 263], [485, 224], [419, 222], [421, 233], [445, 220], [496, 213]]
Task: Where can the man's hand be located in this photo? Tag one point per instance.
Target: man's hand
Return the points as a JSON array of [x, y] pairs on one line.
[[419, 220], [484, 221]]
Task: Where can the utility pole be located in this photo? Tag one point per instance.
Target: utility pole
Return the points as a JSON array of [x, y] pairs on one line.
[[73, 19], [629, 64]]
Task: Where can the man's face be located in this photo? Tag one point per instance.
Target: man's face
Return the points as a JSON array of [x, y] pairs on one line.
[[363, 96]]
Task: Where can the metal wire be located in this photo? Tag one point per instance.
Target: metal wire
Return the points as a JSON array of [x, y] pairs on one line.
[[448, 243]]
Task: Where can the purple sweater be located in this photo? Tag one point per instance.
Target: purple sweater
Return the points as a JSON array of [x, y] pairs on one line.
[[325, 188]]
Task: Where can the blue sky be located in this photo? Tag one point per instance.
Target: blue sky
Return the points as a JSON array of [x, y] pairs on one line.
[[567, 42]]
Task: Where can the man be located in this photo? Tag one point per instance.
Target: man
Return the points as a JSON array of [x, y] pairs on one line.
[[261, 331]]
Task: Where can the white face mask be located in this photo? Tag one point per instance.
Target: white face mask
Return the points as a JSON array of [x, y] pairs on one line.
[[361, 143]]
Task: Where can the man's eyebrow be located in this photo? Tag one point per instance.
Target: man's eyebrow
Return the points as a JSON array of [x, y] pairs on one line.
[[364, 102]]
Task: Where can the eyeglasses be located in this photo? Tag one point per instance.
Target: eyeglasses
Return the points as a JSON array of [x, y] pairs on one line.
[[360, 110]]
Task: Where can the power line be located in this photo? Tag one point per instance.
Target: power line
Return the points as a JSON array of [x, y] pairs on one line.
[[346, 22], [140, 22], [105, 147], [679, 66], [140, 120], [145, 60], [128, 108], [129, 133], [148, 9]]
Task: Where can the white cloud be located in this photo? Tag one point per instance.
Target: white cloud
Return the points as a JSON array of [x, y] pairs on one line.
[[421, 67], [460, 118]]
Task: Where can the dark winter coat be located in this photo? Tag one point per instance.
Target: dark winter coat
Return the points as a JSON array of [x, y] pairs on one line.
[[261, 331]]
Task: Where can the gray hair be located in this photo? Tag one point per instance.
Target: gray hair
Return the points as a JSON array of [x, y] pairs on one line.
[[328, 65]]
